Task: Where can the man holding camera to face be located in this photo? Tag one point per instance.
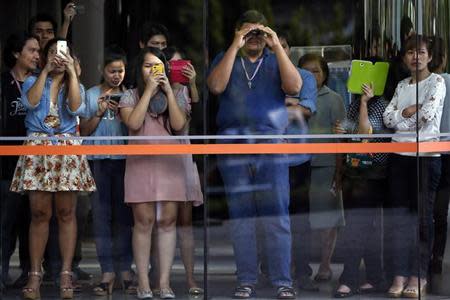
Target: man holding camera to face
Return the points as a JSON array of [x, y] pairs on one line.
[[251, 83]]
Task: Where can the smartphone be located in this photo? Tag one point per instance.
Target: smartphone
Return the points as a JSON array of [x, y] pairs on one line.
[[61, 47], [176, 67], [157, 69], [115, 97]]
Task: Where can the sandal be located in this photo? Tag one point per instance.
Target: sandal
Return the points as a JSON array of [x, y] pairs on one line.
[[66, 291], [129, 287], [285, 292], [244, 292], [341, 294], [195, 291], [32, 293], [413, 291], [166, 293]]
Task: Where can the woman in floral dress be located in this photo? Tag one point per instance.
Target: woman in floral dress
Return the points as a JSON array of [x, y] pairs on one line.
[[53, 100]]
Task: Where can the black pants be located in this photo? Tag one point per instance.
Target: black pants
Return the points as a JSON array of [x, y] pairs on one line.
[[362, 234], [411, 218], [300, 182], [15, 224], [441, 209]]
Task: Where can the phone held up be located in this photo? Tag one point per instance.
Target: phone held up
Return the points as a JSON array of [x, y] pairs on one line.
[[176, 68], [157, 69], [61, 47]]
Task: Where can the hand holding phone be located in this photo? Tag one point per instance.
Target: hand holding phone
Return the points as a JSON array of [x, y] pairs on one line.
[[176, 71], [61, 47], [157, 69]]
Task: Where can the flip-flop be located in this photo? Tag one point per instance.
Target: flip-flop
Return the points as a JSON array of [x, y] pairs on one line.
[[244, 292]]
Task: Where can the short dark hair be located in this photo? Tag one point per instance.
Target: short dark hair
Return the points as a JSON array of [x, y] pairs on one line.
[[169, 52], [284, 35], [251, 16], [418, 40], [439, 53], [322, 62], [42, 17], [151, 29], [15, 44]]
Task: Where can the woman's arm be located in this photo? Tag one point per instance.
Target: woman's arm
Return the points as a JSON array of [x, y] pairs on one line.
[[88, 125], [189, 72], [133, 117], [432, 103], [34, 94], [364, 126], [177, 116]]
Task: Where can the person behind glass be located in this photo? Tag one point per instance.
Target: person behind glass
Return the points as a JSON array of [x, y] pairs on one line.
[[362, 179], [439, 65], [300, 109], [21, 57], [186, 93], [44, 26], [112, 219], [154, 185], [151, 35], [252, 101], [53, 99], [412, 212], [326, 213]]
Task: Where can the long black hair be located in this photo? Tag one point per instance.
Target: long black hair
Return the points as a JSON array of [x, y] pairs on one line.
[[140, 82]]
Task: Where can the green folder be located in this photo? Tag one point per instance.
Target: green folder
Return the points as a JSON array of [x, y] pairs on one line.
[[366, 72]]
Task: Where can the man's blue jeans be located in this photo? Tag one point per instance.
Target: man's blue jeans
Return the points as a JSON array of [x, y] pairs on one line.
[[112, 218], [257, 189]]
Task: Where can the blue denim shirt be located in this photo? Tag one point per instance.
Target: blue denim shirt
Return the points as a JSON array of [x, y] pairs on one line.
[[34, 121], [259, 109], [307, 98], [109, 125]]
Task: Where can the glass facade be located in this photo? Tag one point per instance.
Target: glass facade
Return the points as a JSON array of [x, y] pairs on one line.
[[225, 149]]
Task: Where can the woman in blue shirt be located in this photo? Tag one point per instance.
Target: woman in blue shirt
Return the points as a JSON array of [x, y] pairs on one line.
[[53, 100], [108, 208]]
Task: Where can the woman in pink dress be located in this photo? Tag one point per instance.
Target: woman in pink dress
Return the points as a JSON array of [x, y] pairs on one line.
[[154, 185]]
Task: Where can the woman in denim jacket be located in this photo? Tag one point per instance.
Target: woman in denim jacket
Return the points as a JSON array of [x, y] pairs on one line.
[[53, 100]]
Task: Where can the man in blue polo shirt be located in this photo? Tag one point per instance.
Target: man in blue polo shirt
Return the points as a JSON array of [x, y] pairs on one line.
[[252, 82]]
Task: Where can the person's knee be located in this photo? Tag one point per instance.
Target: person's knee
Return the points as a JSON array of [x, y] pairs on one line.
[[144, 223], [66, 214], [39, 215], [167, 223]]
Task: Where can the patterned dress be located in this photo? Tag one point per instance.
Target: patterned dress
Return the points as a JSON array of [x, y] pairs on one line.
[[52, 173]]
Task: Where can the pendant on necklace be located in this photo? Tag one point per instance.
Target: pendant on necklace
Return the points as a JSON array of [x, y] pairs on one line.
[[250, 85]]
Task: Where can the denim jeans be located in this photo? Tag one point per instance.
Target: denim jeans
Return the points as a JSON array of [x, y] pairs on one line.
[[15, 223], [362, 234], [257, 189], [411, 218], [112, 218], [441, 209]]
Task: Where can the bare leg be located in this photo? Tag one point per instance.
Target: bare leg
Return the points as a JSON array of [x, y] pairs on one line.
[[166, 219], [144, 218], [41, 212], [186, 238], [65, 203], [328, 242]]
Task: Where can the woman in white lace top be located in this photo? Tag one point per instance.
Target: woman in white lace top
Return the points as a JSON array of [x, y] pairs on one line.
[[412, 212]]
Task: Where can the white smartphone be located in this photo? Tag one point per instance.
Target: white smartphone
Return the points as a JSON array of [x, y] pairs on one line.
[[61, 47]]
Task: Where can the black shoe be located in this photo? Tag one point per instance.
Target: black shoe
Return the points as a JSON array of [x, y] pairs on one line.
[[80, 274], [338, 294], [307, 284], [21, 281]]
